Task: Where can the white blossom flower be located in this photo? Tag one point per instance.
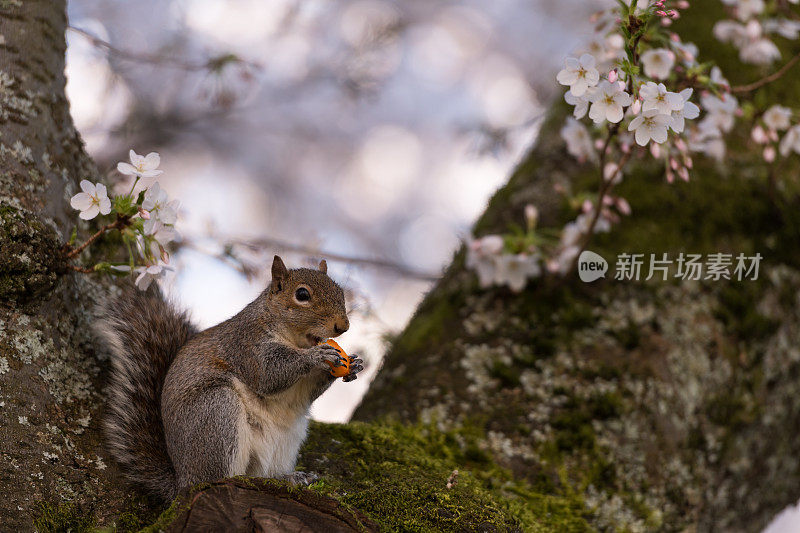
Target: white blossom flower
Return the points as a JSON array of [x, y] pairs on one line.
[[777, 117], [729, 31], [755, 48], [790, 141], [789, 29], [579, 74], [720, 112], [578, 139], [581, 103], [141, 166], [658, 63], [163, 233], [650, 125], [759, 52], [515, 269], [707, 139], [147, 274], [92, 201], [686, 52], [716, 77], [608, 101], [689, 110], [746, 9], [482, 257], [160, 209], [659, 98]]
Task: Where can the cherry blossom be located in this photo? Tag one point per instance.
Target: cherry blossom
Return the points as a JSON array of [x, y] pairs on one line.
[[579, 74], [141, 166], [515, 269], [657, 97], [745, 9], [92, 201], [658, 63], [160, 209], [608, 101], [578, 139], [720, 112], [581, 103], [650, 125], [777, 118], [147, 274], [790, 141], [689, 110]]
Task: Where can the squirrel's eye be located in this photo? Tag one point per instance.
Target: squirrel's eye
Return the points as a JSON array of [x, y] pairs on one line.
[[302, 294]]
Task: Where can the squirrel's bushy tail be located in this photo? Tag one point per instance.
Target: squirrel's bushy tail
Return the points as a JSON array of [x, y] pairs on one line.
[[144, 333]]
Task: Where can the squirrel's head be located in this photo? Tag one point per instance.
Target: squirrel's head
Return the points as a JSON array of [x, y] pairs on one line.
[[311, 305]]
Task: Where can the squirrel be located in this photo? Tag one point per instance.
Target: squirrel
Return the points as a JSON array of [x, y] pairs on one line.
[[186, 407]]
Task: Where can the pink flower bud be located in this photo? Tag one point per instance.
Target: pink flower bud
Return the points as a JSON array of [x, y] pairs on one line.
[[587, 206], [612, 76], [531, 215], [769, 154], [666, 22], [673, 163], [661, 13], [670, 175], [687, 161], [655, 149], [680, 144], [683, 172], [683, 4], [623, 206], [636, 107], [144, 214], [759, 135]]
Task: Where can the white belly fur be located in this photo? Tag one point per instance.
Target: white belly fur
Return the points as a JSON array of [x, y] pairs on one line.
[[271, 430]]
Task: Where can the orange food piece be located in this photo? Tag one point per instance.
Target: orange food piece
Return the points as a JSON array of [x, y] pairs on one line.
[[339, 371]]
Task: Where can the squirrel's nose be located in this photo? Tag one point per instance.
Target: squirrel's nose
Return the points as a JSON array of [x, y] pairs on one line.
[[341, 326]]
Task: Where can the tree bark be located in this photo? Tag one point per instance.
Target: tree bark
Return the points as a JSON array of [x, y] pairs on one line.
[[50, 375], [666, 405]]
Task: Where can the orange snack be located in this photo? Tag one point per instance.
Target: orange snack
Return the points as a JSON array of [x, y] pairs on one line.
[[339, 371]]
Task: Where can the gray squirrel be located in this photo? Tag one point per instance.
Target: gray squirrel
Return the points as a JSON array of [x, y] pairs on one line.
[[186, 407]]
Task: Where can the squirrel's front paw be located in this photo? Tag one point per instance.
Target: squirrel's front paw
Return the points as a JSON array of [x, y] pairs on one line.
[[323, 354], [356, 366]]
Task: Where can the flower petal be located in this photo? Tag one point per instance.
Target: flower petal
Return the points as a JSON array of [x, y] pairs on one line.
[[90, 213], [127, 169], [151, 161]]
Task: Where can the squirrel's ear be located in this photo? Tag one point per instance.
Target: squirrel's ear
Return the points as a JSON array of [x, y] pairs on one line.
[[279, 274], [323, 266]]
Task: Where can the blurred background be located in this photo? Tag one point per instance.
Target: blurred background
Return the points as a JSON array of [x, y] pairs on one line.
[[367, 132]]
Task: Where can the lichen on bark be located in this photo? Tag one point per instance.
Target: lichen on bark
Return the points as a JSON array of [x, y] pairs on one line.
[[664, 405]]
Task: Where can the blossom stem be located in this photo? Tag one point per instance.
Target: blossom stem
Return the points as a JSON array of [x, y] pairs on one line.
[[133, 186], [120, 223], [768, 79]]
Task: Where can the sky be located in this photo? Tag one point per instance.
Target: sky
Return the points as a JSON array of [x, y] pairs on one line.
[[361, 128]]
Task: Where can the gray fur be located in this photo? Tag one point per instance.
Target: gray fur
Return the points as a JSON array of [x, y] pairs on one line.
[[144, 333], [235, 397]]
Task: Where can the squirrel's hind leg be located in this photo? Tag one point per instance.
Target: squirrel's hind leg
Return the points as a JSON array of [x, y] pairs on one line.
[[208, 438]]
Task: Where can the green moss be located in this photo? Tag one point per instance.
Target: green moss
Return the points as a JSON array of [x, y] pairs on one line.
[[167, 516], [397, 475], [66, 517]]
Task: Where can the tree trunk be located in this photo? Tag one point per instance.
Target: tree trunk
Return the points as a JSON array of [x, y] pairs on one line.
[[50, 377], [664, 405]]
